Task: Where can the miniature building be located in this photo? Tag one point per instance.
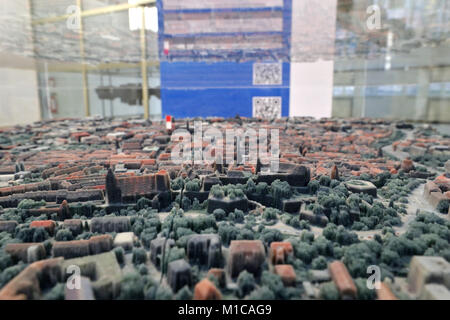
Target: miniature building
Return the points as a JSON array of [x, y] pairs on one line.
[[385, 293], [279, 252], [48, 225], [27, 284], [74, 225], [219, 274], [125, 240], [295, 175], [81, 248], [361, 186], [103, 271], [156, 248], [100, 244], [26, 252], [205, 250], [287, 274], [71, 249], [64, 211], [85, 292], [131, 189], [112, 174], [315, 219], [342, 280], [407, 165], [246, 255], [205, 290], [227, 204], [178, 274], [8, 226], [334, 173], [435, 291], [435, 192], [428, 270], [110, 224]]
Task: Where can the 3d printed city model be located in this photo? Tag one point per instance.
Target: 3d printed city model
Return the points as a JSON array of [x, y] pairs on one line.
[[97, 209]]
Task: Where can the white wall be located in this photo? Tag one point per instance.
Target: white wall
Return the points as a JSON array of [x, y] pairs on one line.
[[312, 67], [68, 88], [311, 89], [19, 100]]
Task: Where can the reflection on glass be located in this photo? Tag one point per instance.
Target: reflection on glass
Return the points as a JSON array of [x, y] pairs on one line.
[[401, 67]]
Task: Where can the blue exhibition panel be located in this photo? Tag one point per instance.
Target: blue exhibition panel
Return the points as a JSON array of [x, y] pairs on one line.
[[207, 55], [224, 89]]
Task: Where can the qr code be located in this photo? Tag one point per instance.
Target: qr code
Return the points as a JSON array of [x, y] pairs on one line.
[[267, 74], [267, 107]]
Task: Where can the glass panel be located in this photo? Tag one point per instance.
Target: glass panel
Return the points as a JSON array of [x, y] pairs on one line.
[[114, 56], [59, 70], [51, 8], [61, 92], [396, 54]]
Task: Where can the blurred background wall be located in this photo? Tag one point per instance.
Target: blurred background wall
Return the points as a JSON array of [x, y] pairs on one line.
[[267, 58], [19, 101]]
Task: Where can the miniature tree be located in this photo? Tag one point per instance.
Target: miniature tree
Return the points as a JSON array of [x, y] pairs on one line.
[[64, 235], [274, 283], [56, 293], [307, 237], [143, 203], [319, 263], [262, 293], [173, 254], [139, 256], [270, 214], [196, 205], [193, 185], [359, 256], [328, 291], [305, 252], [237, 216], [120, 254], [280, 190], [219, 214], [163, 293], [30, 204], [262, 189], [9, 273], [250, 186], [183, 232], [323, 246], [228, 233], [246, 234], [325, 181], [363, 292], [271, 235], [186, 203], [246, 283], [184, 294], [40, 235], [217, 191], [203, 222], [443, 206], [143, 270], [131, 287], [313, 186], [330, 231], [177, 184]]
